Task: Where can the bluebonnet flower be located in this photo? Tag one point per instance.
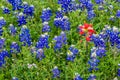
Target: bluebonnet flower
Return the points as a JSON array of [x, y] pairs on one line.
[[92, 77], [93, 62], [77, 77], [43, 41], [21, 19], [14, 48], [90, 14], [2, 43], [5, 10], [60, 41], [112, 18], [2, 23], [70, 56], [98, 40], [40, 54], [56, 72], [15, 78], [118, 14], [59, 13], [89, 6], [73, 50], [12, 29], [118, 0], [3, 54], [63, 23], [46, 27], [46, 14], [24, 36], [99, 1], [16, 4], [25, 5], [118, 71], [29, 11]]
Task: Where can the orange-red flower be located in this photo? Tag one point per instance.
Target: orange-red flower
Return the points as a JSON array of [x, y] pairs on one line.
[[86, 30]]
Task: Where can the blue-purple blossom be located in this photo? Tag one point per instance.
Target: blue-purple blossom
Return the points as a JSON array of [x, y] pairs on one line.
[[118, 14], [21, 19], [16, 4], [25, 37], [40, 54], [60, 41], [93, 62], [3, 54], [2, 43], [77, 77], [14, 48], [15, 78], [12, 29], [43, 41], [2, 23], [29, 10], [92, 77], [62, 23], [46, 14], [46, 27], [5, 10], [56, 72]]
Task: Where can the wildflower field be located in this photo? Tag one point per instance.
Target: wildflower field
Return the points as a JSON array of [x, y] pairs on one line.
[[59, 39]]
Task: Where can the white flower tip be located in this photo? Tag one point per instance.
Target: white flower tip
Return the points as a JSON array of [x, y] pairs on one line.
[[72, 45], [45, 23], [65, 17], [40, 50], [11, 25], [31, 5], [24, 26], [1, 18], [2, 7], [55, 67], [25, 2], [48, 8], [59, 9], [20, 14]]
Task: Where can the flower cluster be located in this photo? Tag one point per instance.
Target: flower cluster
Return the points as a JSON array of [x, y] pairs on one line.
[[40, 54], [46, 14], [25, 36], [99, 1], [93, 62], [28, 10], [2, 23], [43, 41], [62, 22], [72, 53], [60, 41], [5, 10], [92, 77], [56, 72], [77, 77], [118, 72], [16, 4], [86, 30], [21, 19], [46, 27], [118, 14], [12, 29], [14, 48], [3, 52], [68, 5]]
